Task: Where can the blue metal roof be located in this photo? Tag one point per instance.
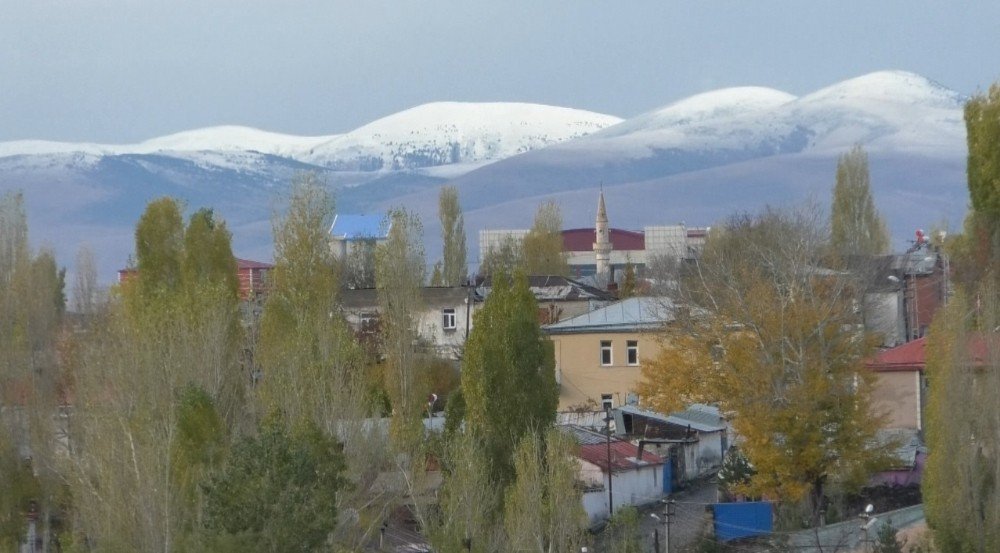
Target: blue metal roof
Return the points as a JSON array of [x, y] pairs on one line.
[[358, 227]]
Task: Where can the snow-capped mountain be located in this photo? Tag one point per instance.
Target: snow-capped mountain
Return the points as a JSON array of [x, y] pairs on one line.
[[697, 160], [429, 135], [445, 133], [880, 110]]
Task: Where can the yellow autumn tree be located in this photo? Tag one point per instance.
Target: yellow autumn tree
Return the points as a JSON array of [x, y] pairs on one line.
[[775, 340]]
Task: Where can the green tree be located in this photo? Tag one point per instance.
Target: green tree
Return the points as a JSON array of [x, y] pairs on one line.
[[208, 255], [313, 368], [962, 487], [506, 258], [857, 228], [735, 472], [133, 473], [963, 417], [885, 540], [453, 236], [278, 490], [159, 243], [437, 277], [628, 287], [399, 277], [543, 245], [543, 511], [776, 342], [622, 534], [32, 301], [982, 124], [199, 448], [468, 499], [508, 373], [309, 357]]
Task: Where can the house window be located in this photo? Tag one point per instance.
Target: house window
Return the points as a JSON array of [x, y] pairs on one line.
[[369, 322], [607, 402], [606, 353], [632, 352], [448, 319]]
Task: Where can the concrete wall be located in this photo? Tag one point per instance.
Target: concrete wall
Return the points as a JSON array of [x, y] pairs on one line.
[[631, 487], [897, 394], [447, 343], [581, 375]]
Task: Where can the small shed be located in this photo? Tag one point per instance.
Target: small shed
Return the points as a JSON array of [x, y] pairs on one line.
[[634, 480], [694, 439]]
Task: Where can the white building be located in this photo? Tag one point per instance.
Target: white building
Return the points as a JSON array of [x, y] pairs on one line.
[[617, 247]]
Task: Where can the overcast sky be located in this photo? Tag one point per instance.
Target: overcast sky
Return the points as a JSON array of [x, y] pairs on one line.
[[127, 70]]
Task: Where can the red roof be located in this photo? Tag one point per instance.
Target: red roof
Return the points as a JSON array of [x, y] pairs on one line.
[[912, 356], [582, 239], [623, 456], [907, 357], [248, 264]]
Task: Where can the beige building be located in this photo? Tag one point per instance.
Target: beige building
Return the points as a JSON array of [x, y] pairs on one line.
[[600, 354], [900, 386]]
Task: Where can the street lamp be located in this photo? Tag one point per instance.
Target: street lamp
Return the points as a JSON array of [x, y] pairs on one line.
[[870, 521]]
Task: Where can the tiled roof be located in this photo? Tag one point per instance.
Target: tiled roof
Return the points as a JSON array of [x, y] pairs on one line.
[[623, 456], [357, 227], [582, 239], [633, 314]]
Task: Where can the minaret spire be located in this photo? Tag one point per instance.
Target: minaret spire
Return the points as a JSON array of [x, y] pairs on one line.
[[602, 243]]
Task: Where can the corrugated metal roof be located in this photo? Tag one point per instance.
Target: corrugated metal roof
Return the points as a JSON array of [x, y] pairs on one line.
[[627, 315], [358, 226], [700, 417], [623, 456], [556, 288], [583, 435]]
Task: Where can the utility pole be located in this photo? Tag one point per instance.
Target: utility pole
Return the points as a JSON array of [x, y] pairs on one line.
[[607, 431]]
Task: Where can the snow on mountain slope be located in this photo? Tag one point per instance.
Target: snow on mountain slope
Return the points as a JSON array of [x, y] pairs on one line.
[[445, 133], [230, 138], [226, 138], [884, 110], [707, 108]]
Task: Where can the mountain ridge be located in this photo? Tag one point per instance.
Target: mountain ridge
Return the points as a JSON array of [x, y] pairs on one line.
[[699, 157]]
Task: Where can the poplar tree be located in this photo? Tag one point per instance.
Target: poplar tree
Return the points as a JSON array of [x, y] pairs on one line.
[[856, 227], [543, 245], [31, 308], [307, 352], [139, 446], [962, 481], [311, 363], [982, 124], [543, 510], [453, 236], [399, 279], [508, 373]]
